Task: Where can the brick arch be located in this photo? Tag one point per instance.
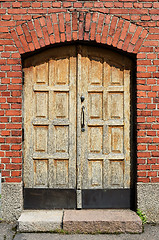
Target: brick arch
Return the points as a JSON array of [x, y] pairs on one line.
[[88, 26]]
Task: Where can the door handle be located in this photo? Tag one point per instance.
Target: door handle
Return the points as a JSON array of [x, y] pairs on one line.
[[82, 120]]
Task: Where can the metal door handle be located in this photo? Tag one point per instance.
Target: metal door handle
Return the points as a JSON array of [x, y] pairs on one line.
[[82, 120]]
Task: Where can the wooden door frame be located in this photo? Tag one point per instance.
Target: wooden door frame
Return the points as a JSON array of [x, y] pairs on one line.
[[70, 197]]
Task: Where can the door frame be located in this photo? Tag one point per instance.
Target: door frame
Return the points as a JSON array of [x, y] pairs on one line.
[[30, 196]]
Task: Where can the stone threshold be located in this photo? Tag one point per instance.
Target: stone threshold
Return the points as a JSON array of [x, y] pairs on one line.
[[80, 221]]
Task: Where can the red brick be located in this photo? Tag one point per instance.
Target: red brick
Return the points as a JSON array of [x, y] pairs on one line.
[[118, 11], [61, 22], [16, 173], [16, 160], [88, 22], [52, 39], [24, 43], [113, 26], [5, 147], [81, 26], [150, 43], [4, 120], [152, 174], [46, 36], [37, 11], [56, 4], [16, 147], [46, 4], [42, 21], [5, 133], [77, 5], [13, 112], [35, 39], [26, 4], [92, 31], [141, 147], [49, 25], [74, 36], [5, 106], [36, 4], [56, 32], [88, 4], [138, 45], [155, 180], [95, 17], [17, 11], [26, 32], [38, 28], [16, 4], [1, 113], [141, 174], [143, 167], [41, 42], [18, 179], [144, 180], [104, 34], [74, 21], [155, 167], [1, 166], [120, 44], [144, 140], [2, 140], [151, 147], [126, 42], [16, 119], [117, 33], [11, 153], [67, 4]]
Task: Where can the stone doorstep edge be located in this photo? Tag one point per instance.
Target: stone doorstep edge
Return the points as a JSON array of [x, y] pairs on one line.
[[84, 226]]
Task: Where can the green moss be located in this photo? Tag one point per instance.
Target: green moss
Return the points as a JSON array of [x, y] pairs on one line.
[[142, 216]]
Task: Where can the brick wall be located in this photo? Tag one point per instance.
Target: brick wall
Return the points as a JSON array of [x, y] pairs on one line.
[[129, 25]]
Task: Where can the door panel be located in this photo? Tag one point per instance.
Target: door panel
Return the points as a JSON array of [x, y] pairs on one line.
[[50, 125], [105, 85]]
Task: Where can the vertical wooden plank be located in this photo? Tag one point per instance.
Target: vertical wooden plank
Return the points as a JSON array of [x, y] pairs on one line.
[[28, 113], [62, 73], [127, 127], [91, 86], [79, 143], [106, 75], [72, 117], [84, 83]]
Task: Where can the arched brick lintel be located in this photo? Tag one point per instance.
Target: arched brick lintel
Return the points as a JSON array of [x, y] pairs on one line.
[[88, 26]]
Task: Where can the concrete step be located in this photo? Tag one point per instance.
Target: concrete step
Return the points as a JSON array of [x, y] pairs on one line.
[[80, 221], [101, 221], [40, 220]]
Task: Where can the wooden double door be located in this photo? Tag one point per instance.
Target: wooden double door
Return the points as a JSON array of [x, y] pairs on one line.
[[77, 129]]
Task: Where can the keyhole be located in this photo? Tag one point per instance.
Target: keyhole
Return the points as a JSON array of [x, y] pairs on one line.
[[82, 98]]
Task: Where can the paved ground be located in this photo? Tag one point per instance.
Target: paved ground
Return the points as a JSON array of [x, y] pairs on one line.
[[7, 232]]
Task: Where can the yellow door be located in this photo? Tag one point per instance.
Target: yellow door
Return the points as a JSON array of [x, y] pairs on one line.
[[76, 127]]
